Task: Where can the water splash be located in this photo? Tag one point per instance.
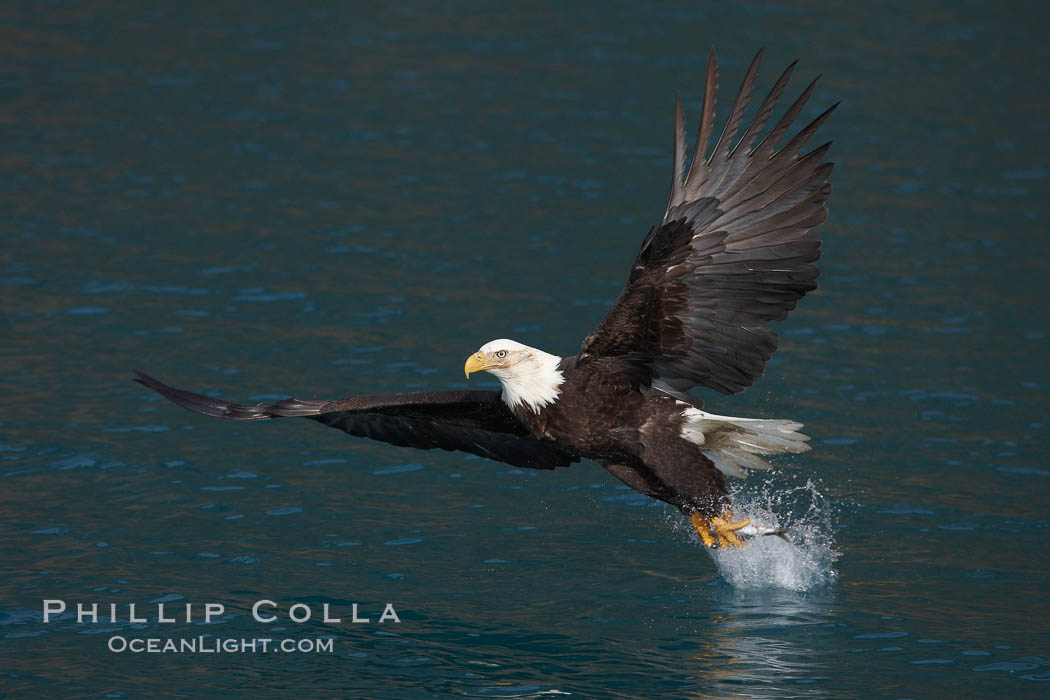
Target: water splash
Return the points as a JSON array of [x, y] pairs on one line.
[[801, 564]]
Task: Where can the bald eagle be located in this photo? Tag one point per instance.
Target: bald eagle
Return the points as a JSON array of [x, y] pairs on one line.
[[732, 253]]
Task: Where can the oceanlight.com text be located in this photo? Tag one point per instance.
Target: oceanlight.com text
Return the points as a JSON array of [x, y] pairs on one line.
[[206, 644]]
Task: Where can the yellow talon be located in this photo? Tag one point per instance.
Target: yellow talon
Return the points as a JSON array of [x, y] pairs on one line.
[[703, 528], [724, 529]]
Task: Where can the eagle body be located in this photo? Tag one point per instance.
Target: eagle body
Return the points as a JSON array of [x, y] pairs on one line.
[[600, 414], [733, 252]]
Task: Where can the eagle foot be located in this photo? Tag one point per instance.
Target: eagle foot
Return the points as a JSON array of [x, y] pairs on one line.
[[723, 527]]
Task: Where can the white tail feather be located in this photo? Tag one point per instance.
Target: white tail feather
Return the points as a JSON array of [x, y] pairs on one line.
[[735, 443]]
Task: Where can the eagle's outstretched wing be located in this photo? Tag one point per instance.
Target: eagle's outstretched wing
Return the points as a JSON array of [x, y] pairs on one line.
[[470, 421], [733, 251]]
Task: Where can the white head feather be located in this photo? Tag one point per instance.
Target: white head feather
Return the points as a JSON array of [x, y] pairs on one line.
[[529, 376]]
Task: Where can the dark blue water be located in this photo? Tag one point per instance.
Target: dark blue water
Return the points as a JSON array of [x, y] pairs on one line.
[[329, 202]]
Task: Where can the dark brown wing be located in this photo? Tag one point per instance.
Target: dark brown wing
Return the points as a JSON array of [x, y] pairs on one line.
[[470, 421], [733, 251]]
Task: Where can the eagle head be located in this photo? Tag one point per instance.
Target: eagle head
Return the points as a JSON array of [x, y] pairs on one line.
[[529, 376]]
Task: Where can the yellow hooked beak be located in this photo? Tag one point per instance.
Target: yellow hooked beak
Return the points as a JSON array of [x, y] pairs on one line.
[[475, 363]]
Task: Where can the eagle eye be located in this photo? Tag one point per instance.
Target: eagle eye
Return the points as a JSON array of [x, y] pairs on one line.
[[500, 354]]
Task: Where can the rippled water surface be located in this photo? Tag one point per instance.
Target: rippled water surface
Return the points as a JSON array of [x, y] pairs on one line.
[[327, 202]]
